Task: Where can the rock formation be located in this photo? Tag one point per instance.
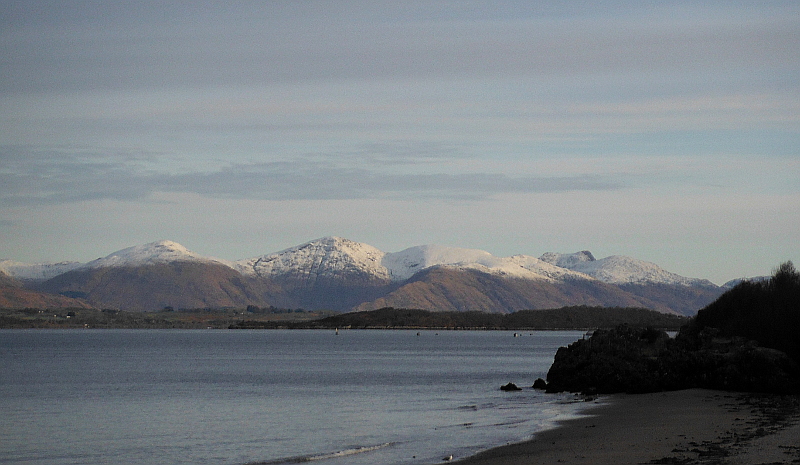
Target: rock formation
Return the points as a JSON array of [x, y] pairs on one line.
[[747, 340]]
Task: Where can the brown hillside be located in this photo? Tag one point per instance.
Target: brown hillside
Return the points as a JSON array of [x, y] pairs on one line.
[[176, 284], [13, 295], [684, 300], [338, 293], [443, 289]]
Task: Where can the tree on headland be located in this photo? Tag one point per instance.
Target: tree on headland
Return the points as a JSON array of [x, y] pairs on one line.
[[764, 311]]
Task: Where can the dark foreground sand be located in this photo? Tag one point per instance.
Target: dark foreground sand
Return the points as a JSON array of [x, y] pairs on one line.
[[682, 427]]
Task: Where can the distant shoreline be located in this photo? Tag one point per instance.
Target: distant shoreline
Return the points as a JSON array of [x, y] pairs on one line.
[[562, 319], [666, 427]]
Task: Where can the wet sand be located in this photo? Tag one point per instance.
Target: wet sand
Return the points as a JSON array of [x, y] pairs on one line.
[[680, 427]]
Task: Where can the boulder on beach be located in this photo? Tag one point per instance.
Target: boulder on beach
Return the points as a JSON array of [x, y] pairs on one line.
[[510, 387]]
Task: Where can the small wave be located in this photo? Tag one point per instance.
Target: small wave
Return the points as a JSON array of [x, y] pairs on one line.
[[325, 455], [510, 422], [476, 407]]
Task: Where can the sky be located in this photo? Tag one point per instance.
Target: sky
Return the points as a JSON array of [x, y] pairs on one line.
[[665, 131]]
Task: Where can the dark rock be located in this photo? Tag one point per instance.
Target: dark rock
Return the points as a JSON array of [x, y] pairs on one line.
[[732, 366], [510, 387], [747, 340], [540, 384], [620, 360], [634, 360]]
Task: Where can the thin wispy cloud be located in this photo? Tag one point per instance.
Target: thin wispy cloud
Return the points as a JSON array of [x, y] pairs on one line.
[[51, 177]]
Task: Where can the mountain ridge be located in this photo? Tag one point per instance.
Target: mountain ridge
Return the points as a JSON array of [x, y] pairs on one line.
[[620, 269], [339, 274], [396, 266]]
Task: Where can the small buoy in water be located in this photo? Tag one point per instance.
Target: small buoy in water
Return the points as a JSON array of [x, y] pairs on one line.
[[337, 331]]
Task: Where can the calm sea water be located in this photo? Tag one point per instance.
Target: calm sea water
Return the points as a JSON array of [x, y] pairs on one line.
[[244, 397]]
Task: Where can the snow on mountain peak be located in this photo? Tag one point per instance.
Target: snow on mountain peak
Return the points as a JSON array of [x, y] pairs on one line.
[[148, 254], [336, 257], [735, 282], [326, 256], [329, 256], [567, 260], [619, 269], [404, 264], [546, 269], [36, 271]]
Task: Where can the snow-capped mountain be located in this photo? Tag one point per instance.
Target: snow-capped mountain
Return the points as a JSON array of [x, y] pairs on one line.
[[340, 274], [161, 274], [404, 264], [567, 260], [150, 254], [326, 257], [735, 282], [327, 273], [333, 272], [335, 256], [619, 269], [36, 271], [145, 254]]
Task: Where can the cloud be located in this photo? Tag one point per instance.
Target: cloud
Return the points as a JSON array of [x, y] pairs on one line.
[[53, 177], [162, 47], [305, 180]]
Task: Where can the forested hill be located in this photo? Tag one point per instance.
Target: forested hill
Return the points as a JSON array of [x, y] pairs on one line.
[[581, 317]]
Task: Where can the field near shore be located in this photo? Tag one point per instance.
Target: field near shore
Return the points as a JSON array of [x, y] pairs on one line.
[[682, 427]]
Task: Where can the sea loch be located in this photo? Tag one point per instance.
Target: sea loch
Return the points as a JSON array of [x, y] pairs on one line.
[[246, 397]]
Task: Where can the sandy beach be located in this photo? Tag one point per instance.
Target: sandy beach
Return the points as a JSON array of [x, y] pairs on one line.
[[681, 427]]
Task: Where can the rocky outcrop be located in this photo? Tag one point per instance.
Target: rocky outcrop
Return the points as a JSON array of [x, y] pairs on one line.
[[540, 384], [747, 340], [510, 387], [633, 360], [624, 359]]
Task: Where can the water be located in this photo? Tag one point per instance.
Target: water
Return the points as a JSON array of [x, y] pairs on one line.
[[243, 397]]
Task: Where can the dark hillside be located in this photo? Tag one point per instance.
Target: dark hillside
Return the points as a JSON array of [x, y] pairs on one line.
[[685, 300], [561, 318]]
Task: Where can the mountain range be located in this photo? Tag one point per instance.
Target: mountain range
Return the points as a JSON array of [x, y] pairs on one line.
[[338, 274]]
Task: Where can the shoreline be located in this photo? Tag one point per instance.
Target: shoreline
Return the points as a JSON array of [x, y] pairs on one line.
[[676, 427]]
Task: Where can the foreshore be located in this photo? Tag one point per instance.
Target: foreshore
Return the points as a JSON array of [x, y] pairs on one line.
[[679, 427]]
